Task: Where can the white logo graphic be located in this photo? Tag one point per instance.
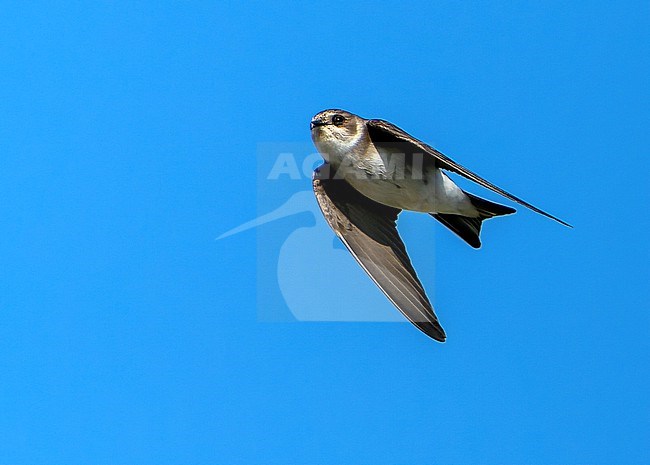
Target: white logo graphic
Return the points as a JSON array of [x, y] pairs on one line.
[[317, 278]]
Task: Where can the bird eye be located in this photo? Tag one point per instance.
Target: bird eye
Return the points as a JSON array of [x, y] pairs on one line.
[[337, 119]]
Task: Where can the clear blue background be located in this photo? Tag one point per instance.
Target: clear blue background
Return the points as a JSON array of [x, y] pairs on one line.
[[128, 136]]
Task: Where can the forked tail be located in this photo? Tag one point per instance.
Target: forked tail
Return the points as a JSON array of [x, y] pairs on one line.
[[467, 228]]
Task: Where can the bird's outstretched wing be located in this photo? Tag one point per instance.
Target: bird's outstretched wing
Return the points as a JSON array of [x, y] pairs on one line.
[[368, 230], [383, 132]]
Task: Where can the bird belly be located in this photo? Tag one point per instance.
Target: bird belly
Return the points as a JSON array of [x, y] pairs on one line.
[[430, 192]]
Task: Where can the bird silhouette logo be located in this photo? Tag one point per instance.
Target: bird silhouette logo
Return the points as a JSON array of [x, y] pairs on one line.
[[317, 279]]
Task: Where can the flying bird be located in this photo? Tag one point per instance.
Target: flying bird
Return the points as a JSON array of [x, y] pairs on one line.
[[373, 170]]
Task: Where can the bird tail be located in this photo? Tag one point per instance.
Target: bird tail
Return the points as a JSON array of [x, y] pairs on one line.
[[467, 228]]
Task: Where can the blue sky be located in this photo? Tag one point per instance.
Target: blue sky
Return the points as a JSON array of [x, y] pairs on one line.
[[130, 138]]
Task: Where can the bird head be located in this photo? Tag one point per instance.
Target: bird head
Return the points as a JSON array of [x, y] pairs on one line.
[[336, 132]]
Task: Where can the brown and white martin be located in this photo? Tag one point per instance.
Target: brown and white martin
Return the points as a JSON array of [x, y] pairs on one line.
[[373, 170]]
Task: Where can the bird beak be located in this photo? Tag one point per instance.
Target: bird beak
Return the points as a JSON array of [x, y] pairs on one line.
[[297, 203], [315, 123]]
